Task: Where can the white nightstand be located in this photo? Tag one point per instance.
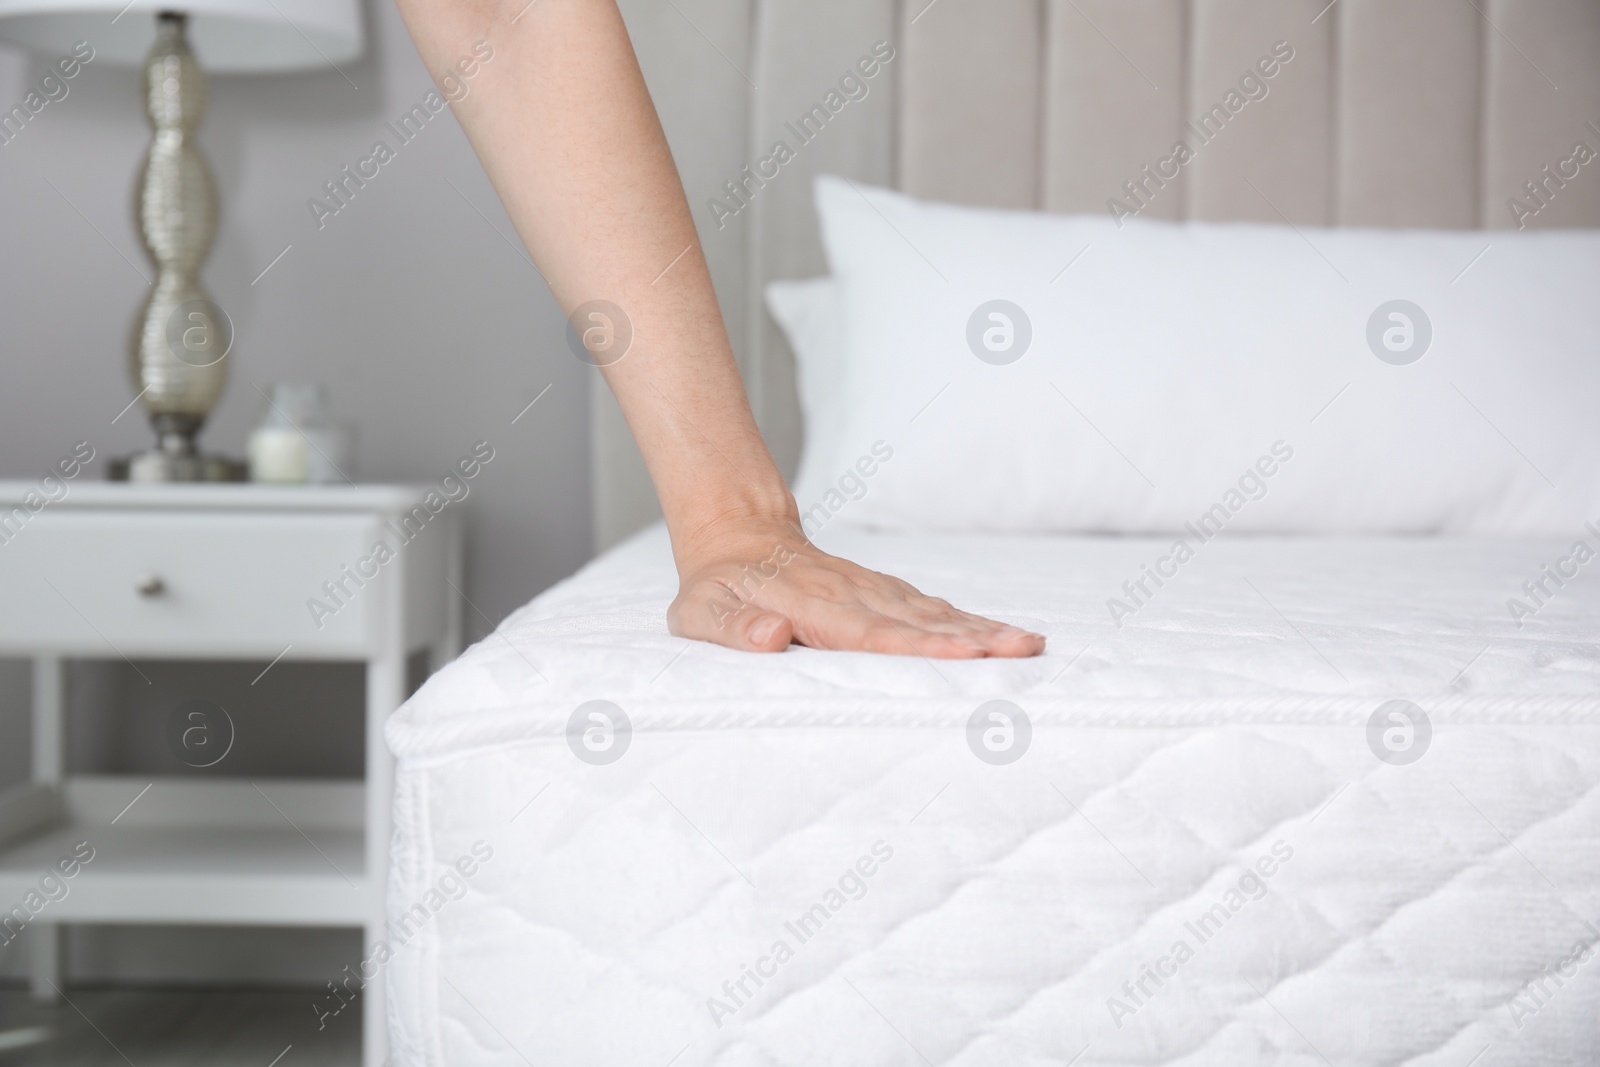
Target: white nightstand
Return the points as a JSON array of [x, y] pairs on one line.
[[218, 572]]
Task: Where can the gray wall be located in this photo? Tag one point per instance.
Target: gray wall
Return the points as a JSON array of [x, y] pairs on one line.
[[414, 305], [430, 329]]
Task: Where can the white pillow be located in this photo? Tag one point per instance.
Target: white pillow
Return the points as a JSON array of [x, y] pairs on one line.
[[1211, 374]]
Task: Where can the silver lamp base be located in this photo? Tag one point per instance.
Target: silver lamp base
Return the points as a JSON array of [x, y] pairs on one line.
[[156, 466], [181, 338], [176, 460]]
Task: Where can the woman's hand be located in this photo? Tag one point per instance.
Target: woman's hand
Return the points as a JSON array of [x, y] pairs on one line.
[[565, 129], [757, 585]]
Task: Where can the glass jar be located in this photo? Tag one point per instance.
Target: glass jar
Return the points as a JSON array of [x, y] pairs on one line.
[[297, 441]]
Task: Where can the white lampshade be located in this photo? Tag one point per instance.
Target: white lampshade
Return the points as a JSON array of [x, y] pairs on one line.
[[239, 36]]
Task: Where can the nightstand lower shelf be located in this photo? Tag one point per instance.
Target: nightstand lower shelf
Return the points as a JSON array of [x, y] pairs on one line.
[[221, 851]]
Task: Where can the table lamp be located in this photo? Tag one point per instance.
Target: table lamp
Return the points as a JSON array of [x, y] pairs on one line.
[[181, 337]]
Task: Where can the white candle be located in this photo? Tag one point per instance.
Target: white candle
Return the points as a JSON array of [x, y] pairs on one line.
[[279, 454]]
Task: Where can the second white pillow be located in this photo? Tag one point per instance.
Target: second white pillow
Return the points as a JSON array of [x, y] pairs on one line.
[[1057, 373]]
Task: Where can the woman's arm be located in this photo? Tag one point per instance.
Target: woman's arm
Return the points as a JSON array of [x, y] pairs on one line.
[[566, 130]]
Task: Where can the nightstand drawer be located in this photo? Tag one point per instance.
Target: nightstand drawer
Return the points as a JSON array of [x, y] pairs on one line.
[[195, 583]]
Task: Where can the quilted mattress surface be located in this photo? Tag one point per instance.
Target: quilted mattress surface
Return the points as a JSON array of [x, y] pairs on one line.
[[1307, 801]]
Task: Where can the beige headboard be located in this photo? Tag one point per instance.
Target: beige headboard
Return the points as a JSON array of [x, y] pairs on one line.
[[1432, 113]]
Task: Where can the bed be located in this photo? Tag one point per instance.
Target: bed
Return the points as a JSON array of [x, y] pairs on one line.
[[1206, 850], [1292, 462]]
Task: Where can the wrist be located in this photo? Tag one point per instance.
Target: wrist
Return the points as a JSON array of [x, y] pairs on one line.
[[714, 529]]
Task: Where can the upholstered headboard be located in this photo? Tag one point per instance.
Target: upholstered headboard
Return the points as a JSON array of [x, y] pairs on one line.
[[1435, 113]]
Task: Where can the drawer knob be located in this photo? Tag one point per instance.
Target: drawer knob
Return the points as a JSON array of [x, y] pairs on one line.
[[150, 585]]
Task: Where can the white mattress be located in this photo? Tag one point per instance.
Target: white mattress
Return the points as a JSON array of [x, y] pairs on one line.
[[1224, 722]]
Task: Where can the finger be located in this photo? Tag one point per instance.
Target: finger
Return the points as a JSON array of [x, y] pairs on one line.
[[906, 639], [857, 627], [971, 634], [707, 611], [998, 638], [993, 638], [981, 633], [905, 602], [768, 631], [907, 630], [1011, 642]]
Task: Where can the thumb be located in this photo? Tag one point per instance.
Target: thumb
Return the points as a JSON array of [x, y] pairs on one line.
[[768, 631], [707, 612]]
